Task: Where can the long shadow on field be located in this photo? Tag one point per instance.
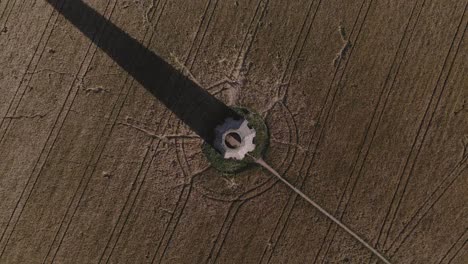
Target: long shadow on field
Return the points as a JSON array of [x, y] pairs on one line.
[[193, 105]]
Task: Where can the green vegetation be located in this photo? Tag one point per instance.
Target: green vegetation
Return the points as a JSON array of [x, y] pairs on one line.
[[231, 166]]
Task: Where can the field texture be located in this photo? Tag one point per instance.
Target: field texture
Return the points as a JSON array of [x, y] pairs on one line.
[[366, 102]]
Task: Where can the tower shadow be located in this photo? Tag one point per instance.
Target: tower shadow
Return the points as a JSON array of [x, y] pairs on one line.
[[198, 109]]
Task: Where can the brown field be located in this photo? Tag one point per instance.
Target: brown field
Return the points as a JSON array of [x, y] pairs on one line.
[[366, 102]]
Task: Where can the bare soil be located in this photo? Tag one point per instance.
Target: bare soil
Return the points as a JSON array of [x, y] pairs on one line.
[[366, 102]]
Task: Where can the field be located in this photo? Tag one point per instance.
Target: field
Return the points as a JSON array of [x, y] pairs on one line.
[[366, 103]]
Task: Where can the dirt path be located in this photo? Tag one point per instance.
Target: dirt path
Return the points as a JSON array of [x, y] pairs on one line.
[[366, 102]]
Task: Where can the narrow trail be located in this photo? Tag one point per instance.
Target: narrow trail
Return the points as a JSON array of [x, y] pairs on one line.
[[262, 163]]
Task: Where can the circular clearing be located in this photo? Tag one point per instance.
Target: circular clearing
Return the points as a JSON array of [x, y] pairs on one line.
[[261, 140]]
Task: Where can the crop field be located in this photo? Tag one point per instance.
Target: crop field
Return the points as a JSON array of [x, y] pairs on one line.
[[366, 104]]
